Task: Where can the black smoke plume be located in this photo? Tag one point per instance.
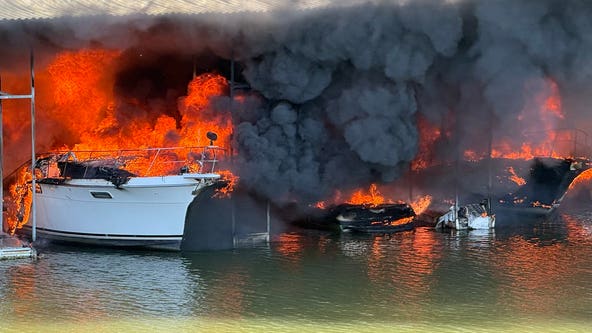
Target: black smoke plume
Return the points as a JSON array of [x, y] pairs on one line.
[[335, 92]]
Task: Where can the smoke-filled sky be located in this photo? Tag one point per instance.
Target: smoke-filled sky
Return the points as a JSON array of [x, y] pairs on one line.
[[336, 91]]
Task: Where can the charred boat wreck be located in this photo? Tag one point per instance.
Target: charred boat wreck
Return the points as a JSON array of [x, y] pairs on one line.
[[545, 187], [381, 218]]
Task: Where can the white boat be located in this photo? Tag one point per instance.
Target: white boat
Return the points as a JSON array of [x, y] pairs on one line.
[[95, 199], [468, 217]]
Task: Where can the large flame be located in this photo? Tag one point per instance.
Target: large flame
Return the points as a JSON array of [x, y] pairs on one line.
[[540, 118], [542, 136], [76, 95], [371, 197]]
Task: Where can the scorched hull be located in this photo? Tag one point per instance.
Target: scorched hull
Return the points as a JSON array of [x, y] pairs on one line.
[[144, 212]]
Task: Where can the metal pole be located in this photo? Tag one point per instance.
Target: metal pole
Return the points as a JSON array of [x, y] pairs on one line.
[[33, 182], [575, 144], [490, 163], [231, 106], [1, 166], [268, 222]]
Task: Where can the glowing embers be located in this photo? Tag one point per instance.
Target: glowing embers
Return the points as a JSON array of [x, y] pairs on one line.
[[515, 178]]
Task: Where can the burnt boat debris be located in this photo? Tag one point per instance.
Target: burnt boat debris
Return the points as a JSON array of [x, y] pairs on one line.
[[68, 168], [382, 218], [543, 189], [468, 217], [520, 188]]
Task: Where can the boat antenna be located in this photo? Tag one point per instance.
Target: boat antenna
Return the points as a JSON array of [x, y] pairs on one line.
[[212, 136], [194, 66]]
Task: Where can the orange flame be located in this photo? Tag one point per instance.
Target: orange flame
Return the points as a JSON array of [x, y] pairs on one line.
[[582, 178], [77, 100], [420, 204], [402, 221], [231, 180], [541, 137], [553, 101], [82, 85], [372, 197], [515, 178], [18, 202], [428, 134]]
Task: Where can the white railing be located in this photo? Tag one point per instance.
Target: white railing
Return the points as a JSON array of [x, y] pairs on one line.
[[140, 162]]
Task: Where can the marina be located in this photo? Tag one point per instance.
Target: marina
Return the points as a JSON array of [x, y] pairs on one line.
[[309, 166]]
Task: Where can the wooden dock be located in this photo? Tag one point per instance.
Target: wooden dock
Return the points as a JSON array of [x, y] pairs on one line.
[[13, 248]]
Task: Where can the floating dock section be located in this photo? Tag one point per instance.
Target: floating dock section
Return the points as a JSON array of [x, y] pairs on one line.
[[13, 248]]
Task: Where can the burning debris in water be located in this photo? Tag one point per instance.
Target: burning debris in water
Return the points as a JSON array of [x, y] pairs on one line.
[[332, 99]]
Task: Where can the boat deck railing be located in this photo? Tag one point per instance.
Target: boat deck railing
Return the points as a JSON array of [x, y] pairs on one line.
[[141, 162]]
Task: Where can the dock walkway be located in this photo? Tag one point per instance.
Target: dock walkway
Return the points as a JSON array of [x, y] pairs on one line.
[[13, 248]]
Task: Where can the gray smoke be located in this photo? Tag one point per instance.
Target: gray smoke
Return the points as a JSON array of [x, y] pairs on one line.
[[336, 91]]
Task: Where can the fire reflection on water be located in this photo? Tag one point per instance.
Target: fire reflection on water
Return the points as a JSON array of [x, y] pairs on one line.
[[411, 277], [416, 276]]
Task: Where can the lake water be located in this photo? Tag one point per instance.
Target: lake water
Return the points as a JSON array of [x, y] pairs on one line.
[[533, 276]]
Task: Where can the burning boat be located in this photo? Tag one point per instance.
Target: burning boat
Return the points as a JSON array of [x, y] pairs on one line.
[[468, 217], [543, 189], [368, 218], [382, 218], [98, 198]]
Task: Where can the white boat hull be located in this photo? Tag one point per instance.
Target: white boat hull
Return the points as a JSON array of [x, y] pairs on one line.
[[144, 212], [475, 217]]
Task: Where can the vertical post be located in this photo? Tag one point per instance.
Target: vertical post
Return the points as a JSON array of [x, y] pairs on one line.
[[231, 93], [410, 183], [575, 143], [233, 220], [232, 203], [194, 66], [1, 166], [33, 182], [490, 163], [268, 222]]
